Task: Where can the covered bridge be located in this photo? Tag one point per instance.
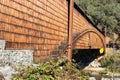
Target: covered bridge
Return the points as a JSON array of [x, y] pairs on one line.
[[42, 26]]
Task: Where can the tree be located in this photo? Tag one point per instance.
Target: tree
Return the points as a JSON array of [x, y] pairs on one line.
[[102, 13]]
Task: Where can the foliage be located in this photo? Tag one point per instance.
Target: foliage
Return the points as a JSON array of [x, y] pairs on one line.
[[102, 13], [51, 70], [107, 62], [113, 63], [115, 66]]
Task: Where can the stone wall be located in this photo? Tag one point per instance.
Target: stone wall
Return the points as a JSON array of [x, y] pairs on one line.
[[2, 44], [15, 57]]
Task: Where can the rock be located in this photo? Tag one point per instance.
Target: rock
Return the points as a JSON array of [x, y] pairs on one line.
[[10, 59], [35, 65], [1, 76], [16, 57], [110, 79], [7, 72], [94, 69], [95, 63], [92, 78], [2, 63]]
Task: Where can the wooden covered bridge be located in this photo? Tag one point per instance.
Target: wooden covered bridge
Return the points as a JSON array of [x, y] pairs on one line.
[[42, 26]]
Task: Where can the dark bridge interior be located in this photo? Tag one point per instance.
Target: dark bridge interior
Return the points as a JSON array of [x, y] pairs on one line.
[[83, 57]]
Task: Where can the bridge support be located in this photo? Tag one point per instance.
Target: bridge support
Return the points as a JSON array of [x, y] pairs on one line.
[[70, 27], [105, 54]]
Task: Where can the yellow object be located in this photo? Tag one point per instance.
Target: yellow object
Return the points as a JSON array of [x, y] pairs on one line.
[[101, 50], [108, 49]]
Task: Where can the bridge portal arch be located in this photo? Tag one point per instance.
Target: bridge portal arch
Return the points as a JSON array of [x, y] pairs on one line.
[[87, 39]]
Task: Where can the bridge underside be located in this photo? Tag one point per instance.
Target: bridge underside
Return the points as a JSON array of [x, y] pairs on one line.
[[83, 57]]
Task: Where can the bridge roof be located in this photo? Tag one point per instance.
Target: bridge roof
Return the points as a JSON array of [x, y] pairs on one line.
[[84, 15]]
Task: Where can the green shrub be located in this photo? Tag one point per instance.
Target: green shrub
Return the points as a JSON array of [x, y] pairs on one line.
[[106, 62], [112, 63], [51, 70]]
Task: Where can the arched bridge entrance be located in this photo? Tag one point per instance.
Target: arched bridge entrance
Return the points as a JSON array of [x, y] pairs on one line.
[[86, 46], [88, 39]]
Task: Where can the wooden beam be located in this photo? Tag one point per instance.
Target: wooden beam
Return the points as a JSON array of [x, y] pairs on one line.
[[70, 27]]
